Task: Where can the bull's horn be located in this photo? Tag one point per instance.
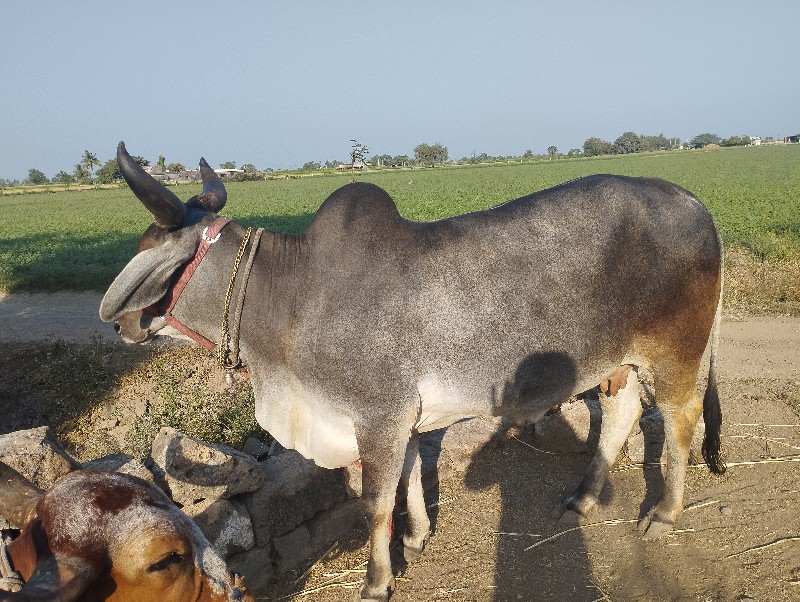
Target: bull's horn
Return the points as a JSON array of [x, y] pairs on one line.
[[58, 577], [167, 209], [18, 497], [214, 195]]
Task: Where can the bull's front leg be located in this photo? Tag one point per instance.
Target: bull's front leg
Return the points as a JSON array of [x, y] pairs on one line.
[[620, 411], [382, 458]]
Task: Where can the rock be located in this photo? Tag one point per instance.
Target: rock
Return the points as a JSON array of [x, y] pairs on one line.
[[256, 448], [121, 463], [256, 567], [294, 490], [225, 523], [292, 548], [35, 455], [196, 471], [725, 510], [329, 525]]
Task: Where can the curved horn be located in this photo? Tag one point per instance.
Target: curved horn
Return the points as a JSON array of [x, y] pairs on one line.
[[18, 497], [58, 578], [167, 209], [214, 195]]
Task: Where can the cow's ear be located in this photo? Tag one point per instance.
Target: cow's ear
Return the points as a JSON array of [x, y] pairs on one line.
[[146, 278]]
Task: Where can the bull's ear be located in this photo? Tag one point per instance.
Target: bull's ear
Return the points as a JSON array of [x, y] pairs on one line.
[[146, 278], [58, 578]]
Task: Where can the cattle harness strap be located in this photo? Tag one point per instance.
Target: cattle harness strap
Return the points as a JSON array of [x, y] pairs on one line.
[[228, 348], [10, 580]]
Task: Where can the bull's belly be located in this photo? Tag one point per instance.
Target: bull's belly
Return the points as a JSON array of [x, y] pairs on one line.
[[310, 424]]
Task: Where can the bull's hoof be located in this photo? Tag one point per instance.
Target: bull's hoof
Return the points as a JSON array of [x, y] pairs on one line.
[[365, 594], [570, 518], [568, 513], [412, 553], [652, 527]]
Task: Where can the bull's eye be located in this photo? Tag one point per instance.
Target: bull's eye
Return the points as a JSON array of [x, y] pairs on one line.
[[165, 563]]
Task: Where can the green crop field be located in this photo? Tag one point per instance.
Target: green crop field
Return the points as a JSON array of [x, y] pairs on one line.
[[81, 239]]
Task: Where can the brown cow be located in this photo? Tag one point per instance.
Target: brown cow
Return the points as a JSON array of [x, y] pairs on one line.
[[99, 535]]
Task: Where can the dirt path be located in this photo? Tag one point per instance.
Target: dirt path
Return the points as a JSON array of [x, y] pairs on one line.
[[739, 538], [71, 316]]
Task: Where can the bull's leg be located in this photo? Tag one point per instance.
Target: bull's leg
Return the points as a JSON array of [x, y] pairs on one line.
[[418, 523], [681, 408], [382, 457], [620, 413]]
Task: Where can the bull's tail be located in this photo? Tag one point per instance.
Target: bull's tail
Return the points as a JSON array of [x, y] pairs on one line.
[[712, 413]]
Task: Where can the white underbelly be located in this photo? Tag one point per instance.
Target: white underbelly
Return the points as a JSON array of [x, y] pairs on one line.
[[310, 424]]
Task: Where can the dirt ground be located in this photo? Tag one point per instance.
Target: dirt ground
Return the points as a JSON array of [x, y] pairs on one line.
[[494, 540]]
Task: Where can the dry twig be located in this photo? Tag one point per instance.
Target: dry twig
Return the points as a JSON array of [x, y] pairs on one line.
[[763, 546]]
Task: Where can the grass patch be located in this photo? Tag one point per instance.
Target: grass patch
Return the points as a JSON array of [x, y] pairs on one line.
[[82, 239], [102, 398]]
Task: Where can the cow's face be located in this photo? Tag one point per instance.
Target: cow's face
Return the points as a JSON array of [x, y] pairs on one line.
[[99, 535], [166, 245]]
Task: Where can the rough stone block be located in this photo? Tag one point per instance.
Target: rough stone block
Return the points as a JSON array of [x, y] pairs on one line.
[[225, 523], [292, 548], [121, 463], [329, 525], [294, 490], [36, 455], [196, 471], [256, 567]]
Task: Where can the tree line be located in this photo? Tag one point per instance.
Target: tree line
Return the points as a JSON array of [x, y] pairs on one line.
[[428, 155]]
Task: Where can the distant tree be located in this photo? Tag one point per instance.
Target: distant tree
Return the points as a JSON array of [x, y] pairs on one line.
[[430, 154], [141, 160], [176, 167], [90, 161], [654, 143], [596, 146], [574, 152], [552, 151], [36, 177], [62, 177], [401, 161], [736, 141], [228, 165], [80, 173], [702, 140], [162, 163], [109, 173], [311, 166], [528, 154], [381, 160], [629, 142], [249, 168]]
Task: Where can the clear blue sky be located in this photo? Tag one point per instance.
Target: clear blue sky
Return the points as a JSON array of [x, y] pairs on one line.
[[277, 84]]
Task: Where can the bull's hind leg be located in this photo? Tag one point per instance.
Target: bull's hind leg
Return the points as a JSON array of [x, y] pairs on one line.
[[418, 524], [620, 412], [680, 406]]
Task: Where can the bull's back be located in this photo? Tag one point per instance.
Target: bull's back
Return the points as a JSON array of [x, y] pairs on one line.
[[515, 301]]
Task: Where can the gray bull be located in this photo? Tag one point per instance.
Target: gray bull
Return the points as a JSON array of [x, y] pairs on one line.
[[368, 328]]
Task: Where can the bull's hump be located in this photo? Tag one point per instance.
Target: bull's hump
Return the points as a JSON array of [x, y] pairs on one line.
[[355, 207]]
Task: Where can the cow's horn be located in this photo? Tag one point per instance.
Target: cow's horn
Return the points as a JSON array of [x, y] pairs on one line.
[[214, 195], [167, 209], [58, 577], [18, 497]]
